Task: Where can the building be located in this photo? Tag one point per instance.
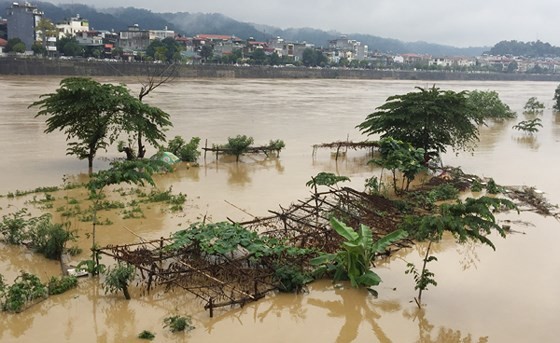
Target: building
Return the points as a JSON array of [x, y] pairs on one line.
[[22, 21], [3, 44], [72, 27], [349, 49], [161, 34], [134, 39]]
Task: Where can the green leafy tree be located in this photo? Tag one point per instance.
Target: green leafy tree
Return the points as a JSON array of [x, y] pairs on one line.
[[118, 278], [143, 123], [238, 145], [84, 109], [400, 156], [94, 115], [355, 258], [187, 152], [15, 45], [431, 119], [487, 105], [556, 99], [258, 57], [206, 52], [25, 289], [46, 29], [533, 106], [165, 50], [38, 49], [529, 126], [471, 220], [69, 46]]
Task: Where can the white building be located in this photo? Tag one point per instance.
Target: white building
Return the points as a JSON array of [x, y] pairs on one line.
[[72, 26]]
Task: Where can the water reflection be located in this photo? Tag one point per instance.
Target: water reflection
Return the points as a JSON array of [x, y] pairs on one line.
[[529, 141], [354, 307], [443, 335], [491, 134], [469, 256]]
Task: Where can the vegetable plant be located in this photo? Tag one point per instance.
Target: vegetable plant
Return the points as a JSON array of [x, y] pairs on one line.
[[178, 323], [355, 257]]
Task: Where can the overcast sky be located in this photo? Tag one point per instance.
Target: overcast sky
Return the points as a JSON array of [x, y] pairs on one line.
[[451, 22]]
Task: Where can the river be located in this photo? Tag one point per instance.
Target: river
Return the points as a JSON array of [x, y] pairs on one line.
[[507, 295]]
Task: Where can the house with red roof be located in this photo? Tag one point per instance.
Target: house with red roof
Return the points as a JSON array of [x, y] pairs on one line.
[[3, 44]]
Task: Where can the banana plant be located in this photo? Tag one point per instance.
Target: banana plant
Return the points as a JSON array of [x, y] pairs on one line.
[[356, 255]]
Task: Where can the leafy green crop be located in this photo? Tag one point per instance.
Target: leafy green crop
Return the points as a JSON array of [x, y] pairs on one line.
[[355, 257], [25, 289], [178, 323]]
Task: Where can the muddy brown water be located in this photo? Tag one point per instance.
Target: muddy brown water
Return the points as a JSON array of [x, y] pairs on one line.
[[510, 295]]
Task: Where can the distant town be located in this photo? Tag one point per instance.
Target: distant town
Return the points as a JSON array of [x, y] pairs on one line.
[[26, 31]]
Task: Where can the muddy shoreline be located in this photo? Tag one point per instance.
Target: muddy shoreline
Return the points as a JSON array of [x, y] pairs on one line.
[[82, 67]]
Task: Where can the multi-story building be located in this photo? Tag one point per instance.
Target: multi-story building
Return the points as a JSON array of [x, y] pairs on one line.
[[350, 49], [72, 27], [134, 39], [161, 34], [22, 21]]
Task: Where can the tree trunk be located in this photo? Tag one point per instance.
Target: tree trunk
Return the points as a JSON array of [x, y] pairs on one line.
[[141, 148], [125, 292], [419, 301], [90, 164]]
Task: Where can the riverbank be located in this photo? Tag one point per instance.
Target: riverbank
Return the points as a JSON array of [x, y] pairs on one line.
[[40, 67]]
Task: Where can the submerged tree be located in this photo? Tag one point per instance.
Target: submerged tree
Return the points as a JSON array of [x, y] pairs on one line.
[[471, 220], [533, 106], [118, 278], [528, 126], [92, 115], [487, 105], [431, 119], [556, 99], [400, 156]]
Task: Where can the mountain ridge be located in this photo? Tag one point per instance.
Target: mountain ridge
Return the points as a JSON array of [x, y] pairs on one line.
[[188, 24]]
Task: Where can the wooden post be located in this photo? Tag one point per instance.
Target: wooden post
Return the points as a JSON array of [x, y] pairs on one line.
[[160, 252], [211, 307], [205, 148]]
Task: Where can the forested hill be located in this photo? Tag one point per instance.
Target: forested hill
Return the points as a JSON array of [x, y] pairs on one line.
[[529, 49], [189, 24]]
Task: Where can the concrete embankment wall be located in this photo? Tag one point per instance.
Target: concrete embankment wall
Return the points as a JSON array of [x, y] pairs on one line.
[[39, 67]]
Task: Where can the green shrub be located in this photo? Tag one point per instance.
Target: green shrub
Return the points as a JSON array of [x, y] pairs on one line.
[[14, 226], [49, 238], [290, 278], [178, 323], [476, 186], [147, 335], [187, 152], [117, 279], [62, 284], [25, 289], [444, 192], [238, 145]]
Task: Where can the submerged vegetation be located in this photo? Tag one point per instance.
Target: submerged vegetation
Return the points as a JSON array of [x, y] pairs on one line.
[[415, 128]]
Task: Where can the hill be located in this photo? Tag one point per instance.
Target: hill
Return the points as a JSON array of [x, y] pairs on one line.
[[189, 24]]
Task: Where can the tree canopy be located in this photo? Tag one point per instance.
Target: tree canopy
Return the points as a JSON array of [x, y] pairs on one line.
[[165, 50], [430, 118], [93, 115], [487, 105]]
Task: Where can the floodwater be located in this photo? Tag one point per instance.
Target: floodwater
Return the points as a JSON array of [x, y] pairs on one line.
[[510, 295]]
